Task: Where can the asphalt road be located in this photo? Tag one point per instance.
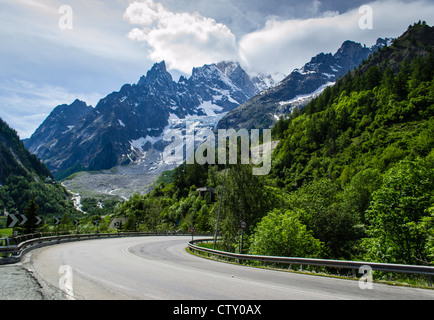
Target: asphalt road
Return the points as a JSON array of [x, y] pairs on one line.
[[159, 268]]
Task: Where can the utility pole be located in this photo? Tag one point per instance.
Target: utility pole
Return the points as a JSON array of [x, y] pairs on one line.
[[220, 208]]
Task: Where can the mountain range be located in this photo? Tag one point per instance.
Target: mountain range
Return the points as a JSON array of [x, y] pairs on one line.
[[299, 87], [118, 145], [127, 126]]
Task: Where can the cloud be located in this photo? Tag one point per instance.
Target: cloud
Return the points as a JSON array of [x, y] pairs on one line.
[[183, 40], [26, 104], [285, 45], [282, 46], [43, 66]]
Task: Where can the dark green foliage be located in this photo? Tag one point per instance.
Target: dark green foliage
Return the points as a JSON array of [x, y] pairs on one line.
[[26, 185], [51, 198], [398, 214], [15, 159], [368, 127], [186, 176], [245, 197], [100, 207], [341, 160], [31, 213]]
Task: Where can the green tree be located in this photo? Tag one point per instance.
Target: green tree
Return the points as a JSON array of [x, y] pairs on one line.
[[398, 210], [357, 195], [130, 223], [427, 225], [31, 213], [244, 198], [280, 233], [326, 212]]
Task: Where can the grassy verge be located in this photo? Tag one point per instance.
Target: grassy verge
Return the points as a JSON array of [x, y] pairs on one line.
[[6, 233]]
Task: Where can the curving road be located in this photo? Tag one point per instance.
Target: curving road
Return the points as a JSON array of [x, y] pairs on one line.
[[160, 268]]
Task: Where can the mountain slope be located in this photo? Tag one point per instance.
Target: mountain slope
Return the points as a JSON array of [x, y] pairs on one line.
[[358, 160], [383, 107], [61, 120], [415, 43], [24, 177], [16, 160], [263, 110]]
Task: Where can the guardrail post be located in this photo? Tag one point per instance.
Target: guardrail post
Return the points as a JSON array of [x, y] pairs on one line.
[[429, 280]]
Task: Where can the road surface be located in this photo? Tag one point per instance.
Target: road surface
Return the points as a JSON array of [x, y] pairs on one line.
[[159, 268]]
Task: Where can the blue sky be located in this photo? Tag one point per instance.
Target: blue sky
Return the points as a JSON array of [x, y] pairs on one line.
[[114, 42]]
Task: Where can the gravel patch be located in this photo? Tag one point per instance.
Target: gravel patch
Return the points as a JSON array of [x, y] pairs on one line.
[[17, 283]]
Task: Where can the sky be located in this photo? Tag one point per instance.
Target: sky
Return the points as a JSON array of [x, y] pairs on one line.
[[55, 51]]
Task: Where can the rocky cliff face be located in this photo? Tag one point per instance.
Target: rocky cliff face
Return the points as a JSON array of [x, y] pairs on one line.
[[61, 120]]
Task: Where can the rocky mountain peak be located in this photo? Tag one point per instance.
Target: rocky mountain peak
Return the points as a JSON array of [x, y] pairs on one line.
[[127, 126], [228, 67], [156, 75], [61, 120], [350, 46]]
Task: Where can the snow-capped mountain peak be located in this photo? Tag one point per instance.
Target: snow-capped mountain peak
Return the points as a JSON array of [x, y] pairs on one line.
[[128, 126]]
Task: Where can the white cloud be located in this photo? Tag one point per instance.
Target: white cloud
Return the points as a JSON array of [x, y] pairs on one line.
[[282, 46], [183, 40], [285, 45]]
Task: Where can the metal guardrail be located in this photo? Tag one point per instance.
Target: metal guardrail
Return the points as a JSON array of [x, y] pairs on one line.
[[339, 264], [13, 253]]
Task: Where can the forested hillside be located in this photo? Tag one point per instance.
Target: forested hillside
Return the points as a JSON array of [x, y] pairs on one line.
[[352, 176], [357, 163], [24, 178]]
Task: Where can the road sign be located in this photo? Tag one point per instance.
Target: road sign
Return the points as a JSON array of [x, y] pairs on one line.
[[96, 223], [243, 224], [76, 222], [57, 221], [20, 219], [23, 219], [11, 221], [39, 220], [15, 219]]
